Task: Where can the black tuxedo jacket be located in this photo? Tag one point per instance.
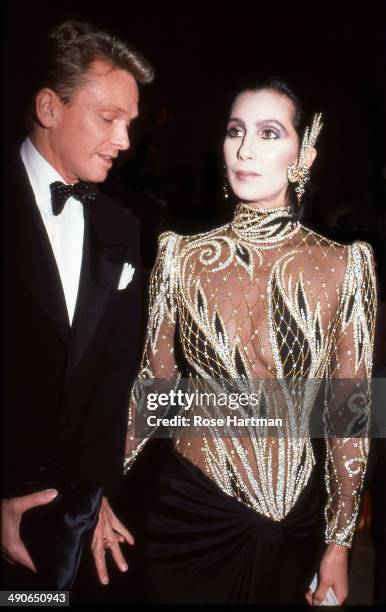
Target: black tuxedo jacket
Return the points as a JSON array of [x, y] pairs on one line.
[[65, 388]]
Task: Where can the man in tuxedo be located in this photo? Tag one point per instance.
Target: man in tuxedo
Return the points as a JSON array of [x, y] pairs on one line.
[[72, 288]]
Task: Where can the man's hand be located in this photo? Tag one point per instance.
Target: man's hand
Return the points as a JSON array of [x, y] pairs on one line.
[[12, 511], [332, 574], [108, 533]]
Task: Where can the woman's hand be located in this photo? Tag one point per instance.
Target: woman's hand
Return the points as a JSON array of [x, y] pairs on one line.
[[332, 574]]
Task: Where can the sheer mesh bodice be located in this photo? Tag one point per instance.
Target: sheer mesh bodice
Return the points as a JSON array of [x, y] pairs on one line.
[[265, 298]]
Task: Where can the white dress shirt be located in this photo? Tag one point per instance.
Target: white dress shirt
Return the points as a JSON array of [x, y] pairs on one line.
[[66, 230]]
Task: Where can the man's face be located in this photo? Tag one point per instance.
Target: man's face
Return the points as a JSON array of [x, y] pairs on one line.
[[87, 133]]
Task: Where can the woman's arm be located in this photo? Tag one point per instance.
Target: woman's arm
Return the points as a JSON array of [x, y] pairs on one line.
[[158, 361], [348, 416]]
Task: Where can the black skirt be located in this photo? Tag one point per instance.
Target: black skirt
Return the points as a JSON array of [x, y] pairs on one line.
[[195, 544]]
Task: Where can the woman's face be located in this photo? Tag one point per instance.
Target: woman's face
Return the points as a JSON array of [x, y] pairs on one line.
[[260, 144]]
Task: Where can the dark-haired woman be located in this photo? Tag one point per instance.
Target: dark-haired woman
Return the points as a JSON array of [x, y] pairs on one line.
[[236, 518]]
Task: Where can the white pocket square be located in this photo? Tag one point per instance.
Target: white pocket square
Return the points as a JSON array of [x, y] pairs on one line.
[[126, 276]]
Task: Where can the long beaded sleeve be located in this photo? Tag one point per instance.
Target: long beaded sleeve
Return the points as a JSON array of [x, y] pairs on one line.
[[351, 363], [158, 359]]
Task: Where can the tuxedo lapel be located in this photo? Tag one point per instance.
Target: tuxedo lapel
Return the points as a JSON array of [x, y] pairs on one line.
[[102, 264], [36, 262]]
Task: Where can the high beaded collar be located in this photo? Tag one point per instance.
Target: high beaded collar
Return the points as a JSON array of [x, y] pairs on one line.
[[263, 224]]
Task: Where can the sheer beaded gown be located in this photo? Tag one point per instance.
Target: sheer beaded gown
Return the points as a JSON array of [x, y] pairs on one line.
[[237, 518]]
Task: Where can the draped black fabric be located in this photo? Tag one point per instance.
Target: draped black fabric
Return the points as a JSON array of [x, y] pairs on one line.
[[199, 545]]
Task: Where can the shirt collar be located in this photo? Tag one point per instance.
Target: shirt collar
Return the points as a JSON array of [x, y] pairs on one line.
[[40, 173]]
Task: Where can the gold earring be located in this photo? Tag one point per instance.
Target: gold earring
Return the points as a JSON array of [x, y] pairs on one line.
[[299, 173]]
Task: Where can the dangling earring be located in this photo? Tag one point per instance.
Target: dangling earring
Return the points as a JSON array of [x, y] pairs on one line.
[[299, 173], [225, 186]]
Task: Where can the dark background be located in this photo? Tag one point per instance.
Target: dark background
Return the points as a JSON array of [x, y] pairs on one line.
[[333, 53]]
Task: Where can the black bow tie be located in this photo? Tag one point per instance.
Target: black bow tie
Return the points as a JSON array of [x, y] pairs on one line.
[[84, 192]]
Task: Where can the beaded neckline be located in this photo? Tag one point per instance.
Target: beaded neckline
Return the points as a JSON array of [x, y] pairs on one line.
[[263, 224]]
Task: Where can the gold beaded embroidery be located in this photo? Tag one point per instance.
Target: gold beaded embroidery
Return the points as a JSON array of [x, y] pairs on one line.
[[265, 298]]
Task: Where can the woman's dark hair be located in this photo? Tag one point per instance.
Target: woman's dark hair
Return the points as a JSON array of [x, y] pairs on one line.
[[299, 122], [71, 47]]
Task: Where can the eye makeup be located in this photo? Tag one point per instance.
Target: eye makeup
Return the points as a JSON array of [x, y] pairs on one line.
[[237, 128]]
